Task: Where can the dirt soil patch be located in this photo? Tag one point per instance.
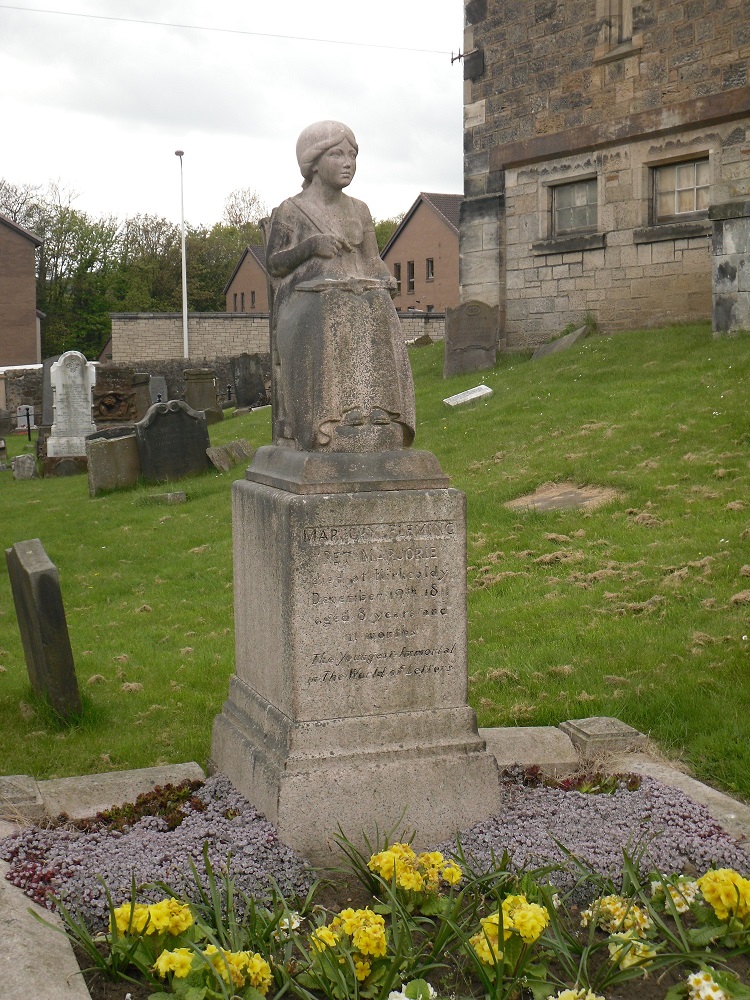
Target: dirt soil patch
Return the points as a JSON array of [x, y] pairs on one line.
[[564, 496]]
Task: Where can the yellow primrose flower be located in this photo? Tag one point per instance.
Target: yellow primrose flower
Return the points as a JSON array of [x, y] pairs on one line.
[[727, 892], [627, 949], [257, 971], [177, 961], [616, 913], [362, 967], [322, 938], [451, 873], [703, 986], [574, 994], [486, 942], [123, 919], [529, 921]]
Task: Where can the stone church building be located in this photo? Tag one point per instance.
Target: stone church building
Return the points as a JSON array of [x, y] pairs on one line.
[[601, 139]]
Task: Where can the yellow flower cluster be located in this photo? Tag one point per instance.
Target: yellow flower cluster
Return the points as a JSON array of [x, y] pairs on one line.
[[521, 917], [177, 961], [628, 949], [244, 968], [574, 994], [727, 892], [414, 872], [365, 931], [703, 986], [167, 916], [615, 913], [682, 891]]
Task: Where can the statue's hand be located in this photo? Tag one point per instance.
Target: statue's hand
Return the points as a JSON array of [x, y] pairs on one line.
[[328, 246]]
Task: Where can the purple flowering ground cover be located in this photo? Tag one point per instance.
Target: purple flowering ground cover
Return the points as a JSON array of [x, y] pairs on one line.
[[678, 835]]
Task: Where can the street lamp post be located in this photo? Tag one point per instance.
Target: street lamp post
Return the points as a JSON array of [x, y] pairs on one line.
[[185, 346]]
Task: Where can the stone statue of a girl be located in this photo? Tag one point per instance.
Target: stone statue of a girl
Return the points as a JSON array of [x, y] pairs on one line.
[[341, 375]]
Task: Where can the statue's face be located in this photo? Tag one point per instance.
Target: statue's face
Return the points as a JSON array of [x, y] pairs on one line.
[[337, 166]]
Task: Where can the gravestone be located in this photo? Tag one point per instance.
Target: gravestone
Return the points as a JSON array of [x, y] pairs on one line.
[[44, 630], [471, 338], [172, 442], [142, 394], [25, 417], [24, 467], [48, 414], [157, 387], [6, 422], [468, 396], [114, 395], [249, 385], [113, 459], [200, 393], [73, 379], [220, 458], [349, 701]]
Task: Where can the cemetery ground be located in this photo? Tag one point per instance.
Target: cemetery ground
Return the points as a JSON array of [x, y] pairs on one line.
[[638, 609]]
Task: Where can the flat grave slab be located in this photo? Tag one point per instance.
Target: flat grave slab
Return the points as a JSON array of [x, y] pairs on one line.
[[564, 496], [468, 396]]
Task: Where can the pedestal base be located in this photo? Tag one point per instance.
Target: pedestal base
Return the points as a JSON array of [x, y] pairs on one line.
[[349, 704]]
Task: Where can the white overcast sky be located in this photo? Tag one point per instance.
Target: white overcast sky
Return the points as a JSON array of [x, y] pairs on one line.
[[100, 106]]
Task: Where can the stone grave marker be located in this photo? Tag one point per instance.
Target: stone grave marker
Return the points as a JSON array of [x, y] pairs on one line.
[[142, 394], [24, 467], [249, 385], [200, 393], [114, 395], [48, 413], [25, 417], [114, 462], [157, 387], [469, 396], [172, 442], [73, 379], [471, 338], [44, 630], [220, 457], [6, 422]]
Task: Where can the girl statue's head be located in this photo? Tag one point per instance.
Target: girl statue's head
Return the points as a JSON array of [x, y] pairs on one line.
[[315, 140]]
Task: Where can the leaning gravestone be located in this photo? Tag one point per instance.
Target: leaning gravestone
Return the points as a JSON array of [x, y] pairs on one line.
[[471, 338], [200, 393], [73, 379], [249, 385], [24, 467], [172, 442], [349, 701], [113, 460], [44, 630]]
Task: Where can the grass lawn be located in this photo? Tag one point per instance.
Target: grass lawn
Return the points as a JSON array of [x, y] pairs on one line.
[[638, 609]]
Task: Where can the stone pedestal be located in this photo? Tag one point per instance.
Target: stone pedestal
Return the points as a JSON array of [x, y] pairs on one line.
[[731, 266], [349, 702]]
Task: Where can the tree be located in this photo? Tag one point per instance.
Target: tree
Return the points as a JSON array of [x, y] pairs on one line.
[[385, 228], [243, 207], [19, 202]]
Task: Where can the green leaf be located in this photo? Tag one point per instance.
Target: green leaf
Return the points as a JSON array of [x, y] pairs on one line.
[[250, 993], [417, 989], [701, 936], [676, 992]]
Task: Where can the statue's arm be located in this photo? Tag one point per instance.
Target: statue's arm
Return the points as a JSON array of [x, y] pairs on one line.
[[284, 255]]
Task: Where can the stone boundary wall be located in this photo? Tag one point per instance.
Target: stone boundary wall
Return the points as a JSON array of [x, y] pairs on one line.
[[23, 386], [140, 339]]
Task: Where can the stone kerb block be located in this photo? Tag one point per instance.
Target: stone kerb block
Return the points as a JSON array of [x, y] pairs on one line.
[[472, 333], [349, 702], [602, 734], [172, 442], [44, 629], [113, 459]]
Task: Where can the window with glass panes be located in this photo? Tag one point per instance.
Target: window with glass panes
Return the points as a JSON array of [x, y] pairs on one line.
[[680, 189], [574, 207]]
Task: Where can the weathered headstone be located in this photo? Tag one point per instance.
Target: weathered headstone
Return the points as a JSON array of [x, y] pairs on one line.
[[172, 442], [220, 458], [48, 413], [200, 393], [142, 394], [73, 379], [25, 417], [249, 385], [349, 701], [24, 467], [114, 395], [114, 462], [6, 422], [44, 630], [471, 338], [731, 266], [468, 396], [157, 387]]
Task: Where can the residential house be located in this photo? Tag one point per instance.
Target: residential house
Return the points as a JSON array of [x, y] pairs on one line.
[[422, 254], [600, 138], [247, 289], [20, 334]]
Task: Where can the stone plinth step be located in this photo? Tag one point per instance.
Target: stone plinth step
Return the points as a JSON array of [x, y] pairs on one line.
[[545, 747]]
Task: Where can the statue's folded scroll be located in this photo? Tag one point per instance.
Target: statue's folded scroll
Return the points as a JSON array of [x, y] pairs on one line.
[[341, 375]]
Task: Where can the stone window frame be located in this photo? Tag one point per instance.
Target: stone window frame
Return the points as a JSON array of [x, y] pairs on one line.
[[397, 276], [430, 269], [584, 239], [684, 226], [410, 277], [616, 39]]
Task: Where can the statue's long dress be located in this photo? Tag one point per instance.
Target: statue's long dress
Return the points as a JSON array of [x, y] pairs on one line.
[[337, 346]]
